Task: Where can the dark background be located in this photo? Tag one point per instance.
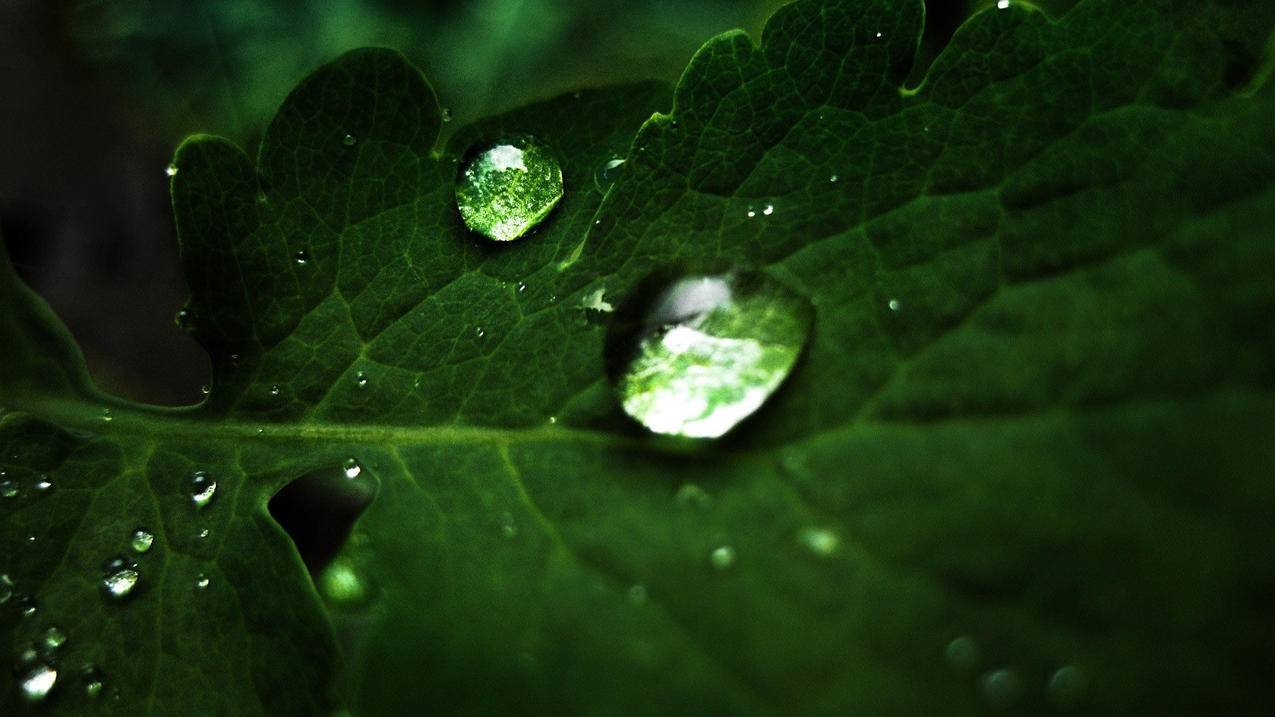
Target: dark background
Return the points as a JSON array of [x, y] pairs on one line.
[[96, 94]]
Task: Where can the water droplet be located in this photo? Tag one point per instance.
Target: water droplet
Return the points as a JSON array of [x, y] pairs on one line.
[[770, 209], [637, 595], [301, 258], [893, 304], [752, 213], [121, 577], [360, 379], [522, 286], [274, 390], [205, 389], [820, 541], [202, 582], [722, 557], [43, 483], [594, 301], [963, 654], [712, 350], [348, 140], [202, 489], [508, 187], [479, 332], [37, 683], [6, 588], [1002, 687], [553, 420], [203, 534], [92, 681], [608, 173], [1002, 4], [181, 319], [8, 489], [141, 540], [508, 527], [879, 35], [54, 638], [1067, 686], [171, 170], [446, 114], [693, 496], [351, 468], [340, 583], [28, 606], [834, 178], [106, 415]]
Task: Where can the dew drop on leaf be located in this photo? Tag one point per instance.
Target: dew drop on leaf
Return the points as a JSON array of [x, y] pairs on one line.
[[274, 390], [608, 173], [92, 679], [205, 389], [301, 258], [348, 140], [508, 527], [106, 415], [722, 557], [8, 489], [171, 170], [141, 540], [202, 582], [1067, 686], [43, 484], [963, 654], [1001, 687], [505, 189], [28, 606], [38, 683], [637, 595], [693, 496], [820, 541], [351, 468], [203, 534], [893, 304], [53, 638], [6, 588], [710, 351], [202, 489], [360, 379], [121, 577]]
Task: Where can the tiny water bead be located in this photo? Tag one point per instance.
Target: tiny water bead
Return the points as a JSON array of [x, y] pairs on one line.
[[1002, 687], [608, 173], [360, 379], [43, 484], [106, 415], [38, 683], [92, 680], [351, 468], [722, 557], [7, 587], [820, 541], [963, 654], [120, 579], [8, 489], [141, 540], [693, 496], [53, 638], [1067, 686], [508, 527], [202, 582], [275, 390], [506, 188], [349, 140], [171, 170], [202, 489], [893, 305], [711, 351], [301, 258], [203, 534]]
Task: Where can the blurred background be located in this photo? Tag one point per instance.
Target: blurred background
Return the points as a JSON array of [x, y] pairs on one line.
[[96, 95]]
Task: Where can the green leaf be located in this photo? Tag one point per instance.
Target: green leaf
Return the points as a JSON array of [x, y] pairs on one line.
[[1024, 459]]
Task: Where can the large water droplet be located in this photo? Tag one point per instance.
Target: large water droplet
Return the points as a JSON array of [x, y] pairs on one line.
[[608, 173], [507, 188], [38, 683], [121, 577], [202, 489], [141, 540], [711, 351]]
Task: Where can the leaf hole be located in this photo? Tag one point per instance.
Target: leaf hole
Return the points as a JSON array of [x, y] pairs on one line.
[[318, 511]]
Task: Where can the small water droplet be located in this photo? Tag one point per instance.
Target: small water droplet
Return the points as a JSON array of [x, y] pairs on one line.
[[446, 114], [341, 583], [508, 187], [274, 390], [963, 654], [92, 680], [360, 379], [1002, 687], [171, 170], [752, 213], [893, 304], [7, 587], [53, 638], [348, 140], [637, 595], [1067, 686], [770, 209], [205, 389], [141, 540], [28, 606], [351, 468], [43, 483], [37, 683], [553, 420], [301, 258], [820, 541], [106, 415], [1002, 4], [834, 179], [596, 301], [693, 496], [508, 527], [202, 582], [8, 489], [522, 286], [722, 557], [121, 577], [203, 534], [202, 489], [608, 173], [712, 350], [181, 319], [479, 332]]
